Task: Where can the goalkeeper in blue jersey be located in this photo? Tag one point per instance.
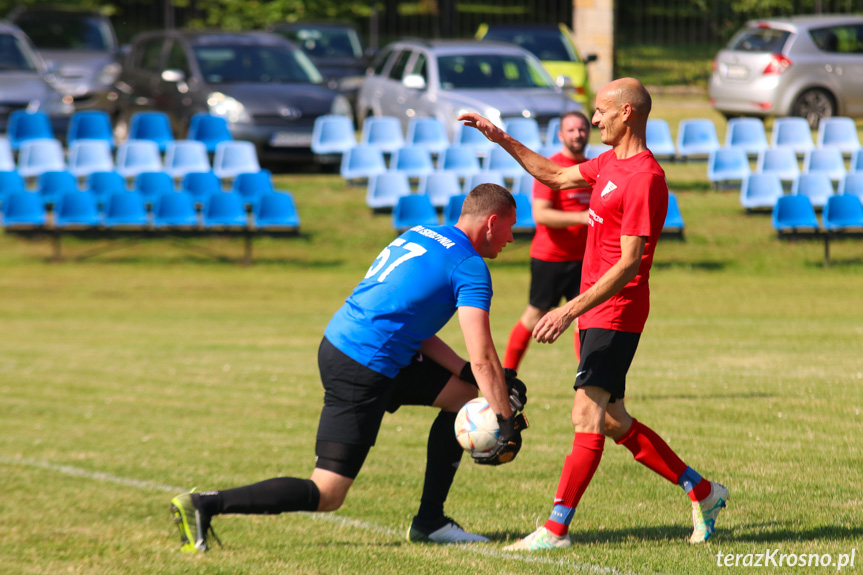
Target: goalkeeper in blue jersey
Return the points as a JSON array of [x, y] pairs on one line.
[[380, 352]]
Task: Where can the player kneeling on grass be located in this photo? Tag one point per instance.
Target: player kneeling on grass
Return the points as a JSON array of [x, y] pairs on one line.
[[380, 352]]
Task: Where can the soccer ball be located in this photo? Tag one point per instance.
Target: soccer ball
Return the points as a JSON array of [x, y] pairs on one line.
[[476, 426]]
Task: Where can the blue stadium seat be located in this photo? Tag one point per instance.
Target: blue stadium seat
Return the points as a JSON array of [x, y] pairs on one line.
[[459, 159], [673, 218], [413, 211], [362, 162], [88, 156], [384, 190], [90, 125], [7, 157], [76, 209], [152, 126], [747, 134], [659, 140], [856, 162], [500, 161], [23, 210], [760, 190], [525, 130], [24, 126], [727, 165], [825, 160], [201, 185], [39, 156], [210, 130], [843, 213], [838, 132], [472, 138], [225, 210], [175, 210], [792, 132], [333, 134], [51, 185], [276, 211], [815, 186], [427, 132], [252, 185], [779, 161], [523, 215], [104, 184], [10, 183], [852, 184], [137, 156], [552, 135], [485, 177], [440, 187], [384, 132], [452, 211], [186, 156], [125, 210], [794, 213], [524, 185], [235, 157], [152, 185], [696, 137], [415, 161]]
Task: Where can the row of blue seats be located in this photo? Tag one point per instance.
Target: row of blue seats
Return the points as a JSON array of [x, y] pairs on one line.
[[796, 214], [132, 157], [727, 165], [79, 210], [763, 190], [96, 125], [199, 185]]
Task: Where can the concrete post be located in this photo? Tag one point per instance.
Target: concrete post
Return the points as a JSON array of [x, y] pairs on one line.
[[593, 24]]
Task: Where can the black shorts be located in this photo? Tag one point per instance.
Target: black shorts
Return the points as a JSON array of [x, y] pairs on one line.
[[355, 397], [551, 281], [606, 355]]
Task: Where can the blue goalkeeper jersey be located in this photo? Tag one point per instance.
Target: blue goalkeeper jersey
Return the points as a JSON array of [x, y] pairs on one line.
[[409, 293]]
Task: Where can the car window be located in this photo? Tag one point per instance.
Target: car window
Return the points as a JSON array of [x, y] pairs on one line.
[[149, 53], [491, 71], [68, 32], [768, 40], [839, 39], [398, 67], [247, 63], [419, 67], [14, 55], [326, 42], [177, 59], [381, 60], [544, 44]]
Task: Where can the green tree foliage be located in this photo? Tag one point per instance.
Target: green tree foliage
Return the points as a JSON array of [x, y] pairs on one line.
[[248, 14]]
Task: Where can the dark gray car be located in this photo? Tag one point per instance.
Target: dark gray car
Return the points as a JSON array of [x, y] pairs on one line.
[[262, 84], [82, 50], [26, 82]]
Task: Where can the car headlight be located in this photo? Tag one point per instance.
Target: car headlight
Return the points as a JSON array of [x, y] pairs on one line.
[[109, 73], [228, 108], [341, 107]]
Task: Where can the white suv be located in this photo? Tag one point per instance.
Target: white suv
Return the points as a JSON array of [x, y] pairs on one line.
[[445, 78]]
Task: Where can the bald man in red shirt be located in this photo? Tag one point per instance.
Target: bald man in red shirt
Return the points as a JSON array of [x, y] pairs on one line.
[[627, 211]]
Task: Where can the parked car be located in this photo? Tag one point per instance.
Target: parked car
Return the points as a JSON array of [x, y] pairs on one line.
[[809, 66], [554, 45], [336, 51], [81, 46], [262, 84], [445, 78], [26, 83]]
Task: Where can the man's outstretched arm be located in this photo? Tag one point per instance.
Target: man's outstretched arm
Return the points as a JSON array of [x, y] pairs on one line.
[[540, 167]]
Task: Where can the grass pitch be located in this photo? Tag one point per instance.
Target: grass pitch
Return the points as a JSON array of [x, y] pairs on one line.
[[129, 377]]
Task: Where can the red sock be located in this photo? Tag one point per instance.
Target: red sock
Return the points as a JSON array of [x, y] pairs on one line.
[[519, 338], [651, 451], [578, 469]]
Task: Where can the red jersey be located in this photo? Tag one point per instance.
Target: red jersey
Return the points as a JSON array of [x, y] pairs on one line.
[[630, 199], [560, 244]]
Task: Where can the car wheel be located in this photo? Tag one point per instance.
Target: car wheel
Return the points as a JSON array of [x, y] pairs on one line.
[[814, 104]]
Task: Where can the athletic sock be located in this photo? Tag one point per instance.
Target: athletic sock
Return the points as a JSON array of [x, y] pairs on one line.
[[442, 460], [651, 451], [270, 497], [519, 339], [578, 469]]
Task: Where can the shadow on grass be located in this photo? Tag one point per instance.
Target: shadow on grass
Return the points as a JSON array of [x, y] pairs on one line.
[[773, 532]]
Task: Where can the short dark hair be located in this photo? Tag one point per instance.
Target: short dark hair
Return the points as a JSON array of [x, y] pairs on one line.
[[576, 114], [487, 199]]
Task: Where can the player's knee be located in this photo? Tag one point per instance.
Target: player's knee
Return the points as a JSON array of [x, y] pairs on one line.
[[331, 500]]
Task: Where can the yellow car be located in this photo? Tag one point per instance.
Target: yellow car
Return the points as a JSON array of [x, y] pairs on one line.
[[554, 46]]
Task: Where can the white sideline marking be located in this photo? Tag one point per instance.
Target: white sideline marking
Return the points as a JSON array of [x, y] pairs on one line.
[[327, 517]]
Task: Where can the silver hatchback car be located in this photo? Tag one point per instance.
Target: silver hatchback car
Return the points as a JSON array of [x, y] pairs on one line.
[[445, 78], [808, 66]]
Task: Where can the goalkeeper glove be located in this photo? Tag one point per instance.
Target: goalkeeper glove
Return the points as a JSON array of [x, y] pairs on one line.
[[508, 443], [516, 387]]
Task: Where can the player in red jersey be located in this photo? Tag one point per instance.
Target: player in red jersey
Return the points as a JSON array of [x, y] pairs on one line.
[[627, 212], [557, 250]]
